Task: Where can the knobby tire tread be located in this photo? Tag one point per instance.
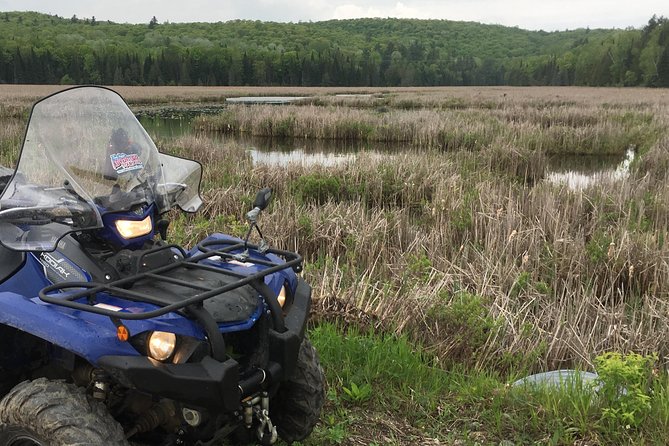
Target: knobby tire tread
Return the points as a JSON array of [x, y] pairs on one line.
[[58, 414], [298, 404]]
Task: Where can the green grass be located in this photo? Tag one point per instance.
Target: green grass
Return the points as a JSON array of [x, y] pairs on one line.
[[382, 389]]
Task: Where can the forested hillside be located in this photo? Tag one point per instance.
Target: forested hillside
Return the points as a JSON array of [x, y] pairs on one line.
[[39, 48]]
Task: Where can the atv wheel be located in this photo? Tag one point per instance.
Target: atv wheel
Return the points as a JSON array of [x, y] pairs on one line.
[[52, 413], [297, 406]]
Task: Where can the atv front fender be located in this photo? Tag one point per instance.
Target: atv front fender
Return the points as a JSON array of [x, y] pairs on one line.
[[89, 339]]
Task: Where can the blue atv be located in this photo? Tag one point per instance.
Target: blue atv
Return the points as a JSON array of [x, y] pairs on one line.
[[109, 334]]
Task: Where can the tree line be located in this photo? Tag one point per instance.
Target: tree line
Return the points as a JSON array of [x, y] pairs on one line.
[[45, 49]]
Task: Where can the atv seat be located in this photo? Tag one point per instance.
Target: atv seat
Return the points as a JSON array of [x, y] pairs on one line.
[[10, 261]]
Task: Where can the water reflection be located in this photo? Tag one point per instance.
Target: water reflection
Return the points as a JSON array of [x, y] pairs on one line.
[[299, 156], [278, 151], [274, 100], [166, 128], [309, 152], [580, 172], [577, 172]]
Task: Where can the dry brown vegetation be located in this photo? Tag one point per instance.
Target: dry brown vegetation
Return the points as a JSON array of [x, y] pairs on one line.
[[478, 267], [470, 95], [464, 248]]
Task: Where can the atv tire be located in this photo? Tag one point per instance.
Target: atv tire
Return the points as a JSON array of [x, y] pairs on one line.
[[297, 406], [53, 413]]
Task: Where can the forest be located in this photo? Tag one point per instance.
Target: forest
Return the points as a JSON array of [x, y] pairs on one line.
[[38, 48]]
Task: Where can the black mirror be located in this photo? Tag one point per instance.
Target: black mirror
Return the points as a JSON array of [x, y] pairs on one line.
[[263, 198]]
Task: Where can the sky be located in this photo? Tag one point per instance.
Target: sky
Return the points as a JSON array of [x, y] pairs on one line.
[[549, 15]]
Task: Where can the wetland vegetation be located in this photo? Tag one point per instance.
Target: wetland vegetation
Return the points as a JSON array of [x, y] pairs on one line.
[[453, 267]]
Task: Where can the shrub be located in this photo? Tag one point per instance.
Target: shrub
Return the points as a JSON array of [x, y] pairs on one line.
[[318, 188], [625, 388], [463, 321]]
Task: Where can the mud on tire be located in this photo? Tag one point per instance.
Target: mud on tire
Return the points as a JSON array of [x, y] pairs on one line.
[[54, 413], [297, 406]]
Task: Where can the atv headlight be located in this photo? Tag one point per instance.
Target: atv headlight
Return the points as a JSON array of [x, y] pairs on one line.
[[134, 228], [161, 345]]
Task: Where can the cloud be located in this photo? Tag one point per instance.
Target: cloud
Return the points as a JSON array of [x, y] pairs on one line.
[[529, 14], [349, 11], [403, 11], [399, 10]]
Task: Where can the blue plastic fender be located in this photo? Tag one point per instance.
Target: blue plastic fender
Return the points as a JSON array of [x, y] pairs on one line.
[[85, 334], [67, 331]]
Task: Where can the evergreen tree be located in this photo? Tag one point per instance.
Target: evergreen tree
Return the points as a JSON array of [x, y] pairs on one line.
[[663, 69]]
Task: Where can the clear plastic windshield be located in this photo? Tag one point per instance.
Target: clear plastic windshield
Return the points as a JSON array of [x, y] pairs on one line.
[[85, 154]]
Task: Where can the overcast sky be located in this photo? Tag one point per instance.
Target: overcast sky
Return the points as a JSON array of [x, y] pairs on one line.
[[549, 15]]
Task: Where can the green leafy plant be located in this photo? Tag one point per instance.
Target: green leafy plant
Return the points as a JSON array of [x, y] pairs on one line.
[[335, 429], [318, 188], [625, 388], [521, 284], [358, 394], [419, 267]]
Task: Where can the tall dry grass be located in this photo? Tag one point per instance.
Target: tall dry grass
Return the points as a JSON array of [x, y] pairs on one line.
[[562, 129], [432, 97], [469, 251], [450, 249]]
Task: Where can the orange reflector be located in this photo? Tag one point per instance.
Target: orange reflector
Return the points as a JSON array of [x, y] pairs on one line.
[[122, 333]]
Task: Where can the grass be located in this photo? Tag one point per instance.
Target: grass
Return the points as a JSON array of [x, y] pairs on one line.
[[445, 270], [408, 399]]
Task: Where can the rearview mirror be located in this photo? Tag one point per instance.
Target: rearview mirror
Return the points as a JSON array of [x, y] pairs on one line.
[[263, 198]]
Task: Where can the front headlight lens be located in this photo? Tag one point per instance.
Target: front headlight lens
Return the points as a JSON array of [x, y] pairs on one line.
[[162, 345], [134, 228]]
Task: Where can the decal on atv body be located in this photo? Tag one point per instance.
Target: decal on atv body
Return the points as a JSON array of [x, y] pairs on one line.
[[58, 269]]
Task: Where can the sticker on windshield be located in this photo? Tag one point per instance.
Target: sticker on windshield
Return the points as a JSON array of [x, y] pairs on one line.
[[126, 162]]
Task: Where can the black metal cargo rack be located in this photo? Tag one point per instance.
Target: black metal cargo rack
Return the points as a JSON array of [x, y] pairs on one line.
[[69, 292]]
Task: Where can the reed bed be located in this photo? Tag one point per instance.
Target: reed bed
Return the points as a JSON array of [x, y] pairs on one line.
[[464, 258], [11, 137], [559, 130], [425, 97], [459, 243]]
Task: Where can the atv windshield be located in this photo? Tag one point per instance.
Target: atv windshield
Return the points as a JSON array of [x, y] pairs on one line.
[[84, 155]]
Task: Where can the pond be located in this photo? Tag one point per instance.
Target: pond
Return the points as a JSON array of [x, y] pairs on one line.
[[277, 151], [580, 172], [576, 172]]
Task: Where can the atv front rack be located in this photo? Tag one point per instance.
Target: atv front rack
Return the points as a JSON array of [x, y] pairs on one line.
[[67, 294]]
